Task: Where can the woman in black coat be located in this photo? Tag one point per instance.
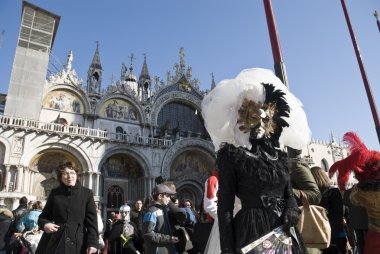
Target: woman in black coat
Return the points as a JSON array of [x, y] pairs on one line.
[[69, 217]]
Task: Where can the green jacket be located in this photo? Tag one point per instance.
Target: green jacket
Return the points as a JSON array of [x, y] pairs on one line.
[[302, 180]]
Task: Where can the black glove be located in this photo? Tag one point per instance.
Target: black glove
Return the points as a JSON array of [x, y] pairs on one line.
[[291, 217]]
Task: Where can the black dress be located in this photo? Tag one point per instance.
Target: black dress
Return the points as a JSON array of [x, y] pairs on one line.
[[261, 180]]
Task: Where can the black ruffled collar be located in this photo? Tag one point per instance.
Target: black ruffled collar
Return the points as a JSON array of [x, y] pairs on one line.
[[262, 161]]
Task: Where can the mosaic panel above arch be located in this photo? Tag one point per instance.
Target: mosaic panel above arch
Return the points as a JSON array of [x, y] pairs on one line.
[[118, 109], [64, 101], [122, 166], [48, 161], [192, 163], [44, 164]]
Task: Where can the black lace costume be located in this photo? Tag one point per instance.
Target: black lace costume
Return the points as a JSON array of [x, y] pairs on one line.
[[260, 179]]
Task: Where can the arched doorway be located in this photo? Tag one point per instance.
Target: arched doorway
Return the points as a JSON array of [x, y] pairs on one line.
[[190, 189], [122, 174]]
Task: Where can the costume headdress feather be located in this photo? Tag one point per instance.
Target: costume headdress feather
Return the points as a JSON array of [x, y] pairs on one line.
[[363, 162]]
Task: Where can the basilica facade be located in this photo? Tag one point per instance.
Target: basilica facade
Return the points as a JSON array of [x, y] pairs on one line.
[[121, 137]]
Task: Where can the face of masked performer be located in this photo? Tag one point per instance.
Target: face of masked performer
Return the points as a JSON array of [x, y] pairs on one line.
[[259, 129]]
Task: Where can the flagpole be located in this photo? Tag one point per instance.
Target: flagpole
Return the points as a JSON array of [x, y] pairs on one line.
[[377, 20], [279, 65], [363, 72]]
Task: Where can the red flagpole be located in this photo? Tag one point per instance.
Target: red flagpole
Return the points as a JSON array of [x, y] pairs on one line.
[[279, 65], [377, 20], [362, 71]]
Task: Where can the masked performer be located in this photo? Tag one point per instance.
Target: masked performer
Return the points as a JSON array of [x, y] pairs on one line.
[[249, 118], [365, 164]]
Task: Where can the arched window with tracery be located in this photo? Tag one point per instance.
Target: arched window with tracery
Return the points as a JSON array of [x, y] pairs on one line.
[[115, 197], [181, 118]]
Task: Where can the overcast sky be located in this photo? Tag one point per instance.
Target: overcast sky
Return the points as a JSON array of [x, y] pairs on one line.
[[224, 37]]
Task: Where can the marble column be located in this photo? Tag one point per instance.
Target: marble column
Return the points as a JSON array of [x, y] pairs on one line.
[[31, 180], [90, 180], [25, 184], [97, 184], [7, 177], [20, 171]]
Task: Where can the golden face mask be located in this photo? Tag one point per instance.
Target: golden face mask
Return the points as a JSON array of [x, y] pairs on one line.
[[256, 114]]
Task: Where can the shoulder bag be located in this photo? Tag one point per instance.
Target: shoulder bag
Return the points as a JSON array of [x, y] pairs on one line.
[[314, 225]]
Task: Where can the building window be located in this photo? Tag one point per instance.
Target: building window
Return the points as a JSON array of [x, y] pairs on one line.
[[180, 118], [115, 197]]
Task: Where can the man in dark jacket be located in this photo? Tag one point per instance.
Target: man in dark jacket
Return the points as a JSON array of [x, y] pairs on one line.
[[137, 215], [301, 178], [157, 232], [20, 211], [5, 222]]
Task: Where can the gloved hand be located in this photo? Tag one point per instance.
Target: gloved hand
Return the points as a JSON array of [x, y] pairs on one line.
[[290, 218]]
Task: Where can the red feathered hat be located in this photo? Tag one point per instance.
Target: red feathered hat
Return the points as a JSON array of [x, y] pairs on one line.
[[363, 162]]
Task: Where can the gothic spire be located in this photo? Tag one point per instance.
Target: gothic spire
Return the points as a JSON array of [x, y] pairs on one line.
[[144, 71], [96, 59], [94, 74]]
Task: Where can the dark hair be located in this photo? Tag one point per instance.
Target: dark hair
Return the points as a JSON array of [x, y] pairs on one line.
[[37, 205], [187, 200], [147, 202], [321, 178], [61, 168], [23, 201]]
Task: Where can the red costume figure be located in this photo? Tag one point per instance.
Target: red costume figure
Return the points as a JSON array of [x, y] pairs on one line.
[[365, 164], [210, 199]]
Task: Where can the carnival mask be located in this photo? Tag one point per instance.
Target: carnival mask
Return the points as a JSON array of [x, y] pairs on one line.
[[257, 118]]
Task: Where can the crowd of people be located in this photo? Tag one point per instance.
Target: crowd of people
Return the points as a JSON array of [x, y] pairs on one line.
[[259, 181]]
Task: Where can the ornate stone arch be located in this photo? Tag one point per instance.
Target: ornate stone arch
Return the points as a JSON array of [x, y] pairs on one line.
[[181, 146], [172, 97], [82, 157], [141, 158], [126, 98], [77, 91], [7, 146]]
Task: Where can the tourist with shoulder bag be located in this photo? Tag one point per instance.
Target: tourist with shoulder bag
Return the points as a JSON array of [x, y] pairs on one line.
[[314, 225]]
